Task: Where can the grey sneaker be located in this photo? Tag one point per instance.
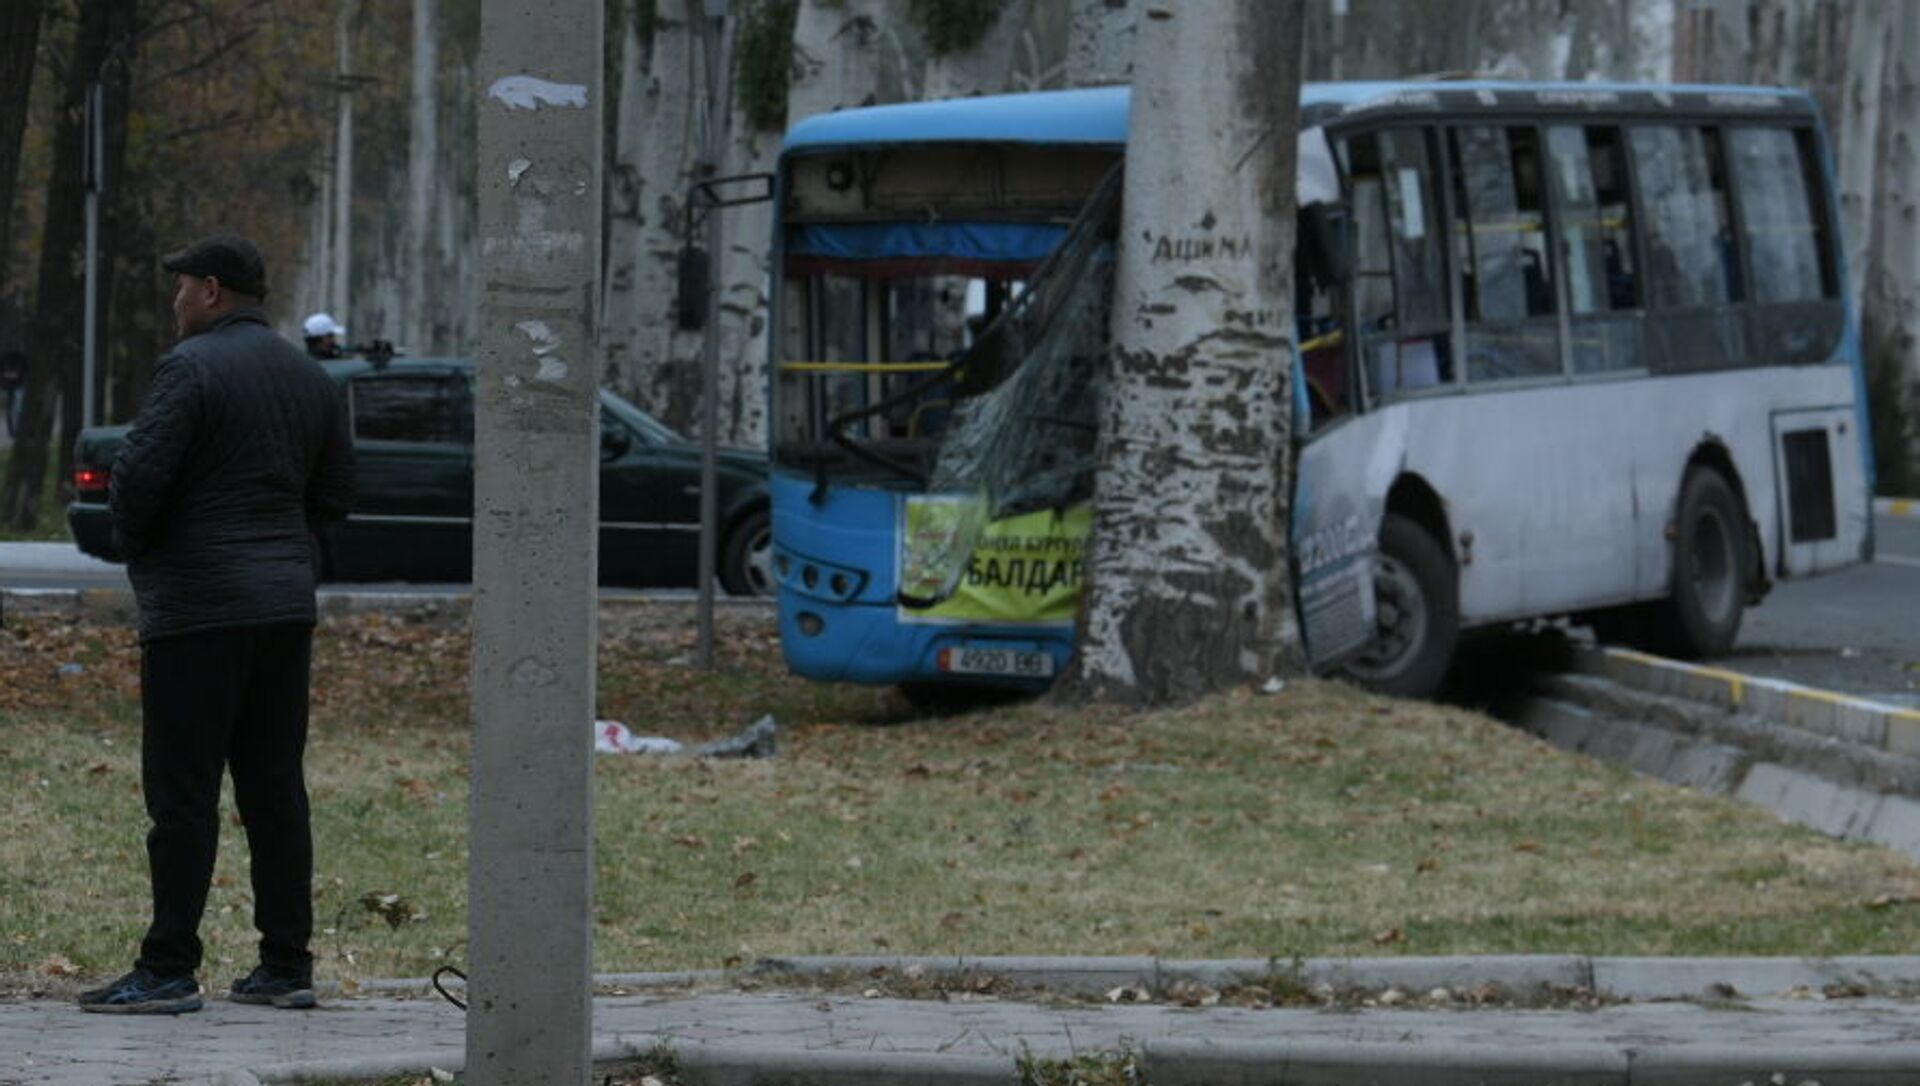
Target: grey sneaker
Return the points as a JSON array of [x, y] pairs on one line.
[[143, 992], [269, 988]]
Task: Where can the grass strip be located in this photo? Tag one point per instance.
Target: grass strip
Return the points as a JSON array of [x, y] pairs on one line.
[[1318, 822]]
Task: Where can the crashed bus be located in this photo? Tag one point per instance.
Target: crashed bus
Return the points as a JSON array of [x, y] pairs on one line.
[[1562, 350]]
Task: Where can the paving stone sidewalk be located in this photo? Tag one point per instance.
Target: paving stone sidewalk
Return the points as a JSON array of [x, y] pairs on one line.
[[728, 1037]]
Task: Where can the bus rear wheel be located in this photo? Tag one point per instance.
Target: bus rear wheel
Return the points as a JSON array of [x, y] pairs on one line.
[[1707, 594], [1417, 619]]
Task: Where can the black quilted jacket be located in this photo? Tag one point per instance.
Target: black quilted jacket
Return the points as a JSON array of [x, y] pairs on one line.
[[241, 451]]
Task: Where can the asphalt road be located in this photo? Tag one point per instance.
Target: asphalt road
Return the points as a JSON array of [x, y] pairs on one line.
[[1857, 630]]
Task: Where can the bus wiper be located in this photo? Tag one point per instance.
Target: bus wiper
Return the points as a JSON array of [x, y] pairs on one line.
[[837, 432]]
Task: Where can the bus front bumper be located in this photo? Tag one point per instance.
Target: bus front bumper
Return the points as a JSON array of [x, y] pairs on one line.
[[865, 643]]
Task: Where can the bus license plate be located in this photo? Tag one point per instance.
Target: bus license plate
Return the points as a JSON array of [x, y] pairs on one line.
[[1016, 662]]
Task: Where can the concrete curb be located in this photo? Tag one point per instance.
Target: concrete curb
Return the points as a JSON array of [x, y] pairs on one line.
[[1897, 507], [1819, 782], [1183, 1062], [1519, 976], [1861, 721], [1380, 1056]]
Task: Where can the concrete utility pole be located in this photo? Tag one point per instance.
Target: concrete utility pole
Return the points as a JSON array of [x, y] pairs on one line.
[[713, 39], [535, 552]]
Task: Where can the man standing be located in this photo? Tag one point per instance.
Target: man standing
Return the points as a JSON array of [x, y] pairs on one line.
[[240, 453]]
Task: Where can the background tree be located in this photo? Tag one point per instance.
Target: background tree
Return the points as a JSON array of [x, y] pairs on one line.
[[1188, 590], [105, 29], [19, 40]]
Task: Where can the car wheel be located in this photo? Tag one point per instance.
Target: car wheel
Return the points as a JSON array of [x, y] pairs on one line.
[[1417, 614], [746, 565], [1707, 594]]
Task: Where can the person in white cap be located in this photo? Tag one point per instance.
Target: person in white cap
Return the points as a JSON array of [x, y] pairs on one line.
[[323, 336]]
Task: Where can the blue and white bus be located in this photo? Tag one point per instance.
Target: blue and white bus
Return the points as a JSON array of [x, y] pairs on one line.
[[1570, 350]]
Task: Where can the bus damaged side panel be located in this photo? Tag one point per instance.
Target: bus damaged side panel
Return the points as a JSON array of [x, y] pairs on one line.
[[1339, 498]]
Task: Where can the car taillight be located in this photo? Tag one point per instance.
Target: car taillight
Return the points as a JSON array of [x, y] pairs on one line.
[[90, 478]]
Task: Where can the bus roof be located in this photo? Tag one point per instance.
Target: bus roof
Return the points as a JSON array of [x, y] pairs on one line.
[[1098, 116]]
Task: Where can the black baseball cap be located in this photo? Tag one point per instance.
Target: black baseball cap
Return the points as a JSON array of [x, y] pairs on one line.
[[229, 258]]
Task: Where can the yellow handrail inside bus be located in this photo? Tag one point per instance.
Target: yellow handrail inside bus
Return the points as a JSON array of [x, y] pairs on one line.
[[862, 367], [1330, 339]]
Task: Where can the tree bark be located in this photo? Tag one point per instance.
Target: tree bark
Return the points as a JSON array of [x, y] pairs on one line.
[[743, 269], [646, 354], [1857, 137], [1189, 590], [19, 42], [985, 68], [847, 53], [56, 342], [1100, 47], [1893, 308]]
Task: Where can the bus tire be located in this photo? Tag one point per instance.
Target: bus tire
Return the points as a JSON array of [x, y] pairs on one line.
[[746, 561], [1417, 597], [1707, 591]]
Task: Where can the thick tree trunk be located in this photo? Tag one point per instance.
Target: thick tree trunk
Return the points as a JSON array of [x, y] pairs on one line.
[[647, 356], [1894, 306], [1100, 47], [19, 41], [55, 357], [847, 53], [743, 271], [986, 67], [1857, 130], [1189, 590]]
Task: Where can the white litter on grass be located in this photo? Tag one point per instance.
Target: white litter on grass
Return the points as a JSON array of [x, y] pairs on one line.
[[613, 737], [760, 740]]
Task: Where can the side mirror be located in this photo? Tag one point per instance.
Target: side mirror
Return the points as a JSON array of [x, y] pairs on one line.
[[1326, 243], [614, 442], [695, 280]]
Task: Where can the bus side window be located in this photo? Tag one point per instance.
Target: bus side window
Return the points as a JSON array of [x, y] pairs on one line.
[[1506, 269], [1595, 233], [1693, 262], [1796, 315], [1399, 276]]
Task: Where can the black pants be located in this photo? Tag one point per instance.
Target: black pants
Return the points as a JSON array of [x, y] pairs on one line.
[[227, 698]]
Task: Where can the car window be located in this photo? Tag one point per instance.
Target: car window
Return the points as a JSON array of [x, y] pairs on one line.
[[429, 408]]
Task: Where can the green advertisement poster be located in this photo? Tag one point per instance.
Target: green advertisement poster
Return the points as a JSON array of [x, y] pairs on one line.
[[958, 567]]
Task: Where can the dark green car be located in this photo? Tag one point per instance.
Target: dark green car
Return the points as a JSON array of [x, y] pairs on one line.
[[412, 516]]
